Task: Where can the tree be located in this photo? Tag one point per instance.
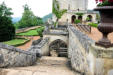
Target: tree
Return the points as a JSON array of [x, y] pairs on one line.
[[28, 18], [56, 10], [7, 30]]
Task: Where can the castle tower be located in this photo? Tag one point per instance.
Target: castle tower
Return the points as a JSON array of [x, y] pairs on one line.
[[78, 4], [73, 4]]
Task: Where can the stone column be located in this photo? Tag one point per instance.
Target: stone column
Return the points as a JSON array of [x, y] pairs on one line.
[[103, 60]]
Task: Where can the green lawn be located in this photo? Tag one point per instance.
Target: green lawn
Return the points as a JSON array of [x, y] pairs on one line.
[[16, 42], [34, 32], [29, 33]]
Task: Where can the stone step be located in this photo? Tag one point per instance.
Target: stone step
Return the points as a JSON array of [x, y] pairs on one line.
[[49, 66], [46, 60], [62, 50]]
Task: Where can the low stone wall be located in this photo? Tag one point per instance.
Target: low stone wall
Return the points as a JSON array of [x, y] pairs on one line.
[[78, 51], [40, 47], [14, 57]]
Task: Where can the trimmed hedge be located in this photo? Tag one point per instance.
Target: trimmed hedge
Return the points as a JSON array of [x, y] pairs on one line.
[[32, 32], [17, 42], [93, 24]]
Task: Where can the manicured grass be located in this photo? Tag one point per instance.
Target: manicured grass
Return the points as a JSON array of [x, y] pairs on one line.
[[34, 32], [16, 42], [29, 33]]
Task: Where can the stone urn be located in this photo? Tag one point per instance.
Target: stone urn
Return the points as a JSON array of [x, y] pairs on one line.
[[106, 25]]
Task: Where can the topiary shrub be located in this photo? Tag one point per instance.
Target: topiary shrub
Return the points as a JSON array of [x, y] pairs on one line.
[[77, 21], [93, 24]]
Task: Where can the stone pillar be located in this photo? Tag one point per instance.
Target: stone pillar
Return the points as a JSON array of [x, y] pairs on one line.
[[103, 60]]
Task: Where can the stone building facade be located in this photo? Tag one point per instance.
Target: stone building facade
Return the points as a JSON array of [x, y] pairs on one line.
[[73, 7]]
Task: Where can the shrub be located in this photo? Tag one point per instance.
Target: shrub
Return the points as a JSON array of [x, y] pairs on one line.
[[79, 14], [93, 24], [77, 21], [7, 30], [40, 31]]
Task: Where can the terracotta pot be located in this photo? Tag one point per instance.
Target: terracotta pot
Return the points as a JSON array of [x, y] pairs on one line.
[[106, 25]]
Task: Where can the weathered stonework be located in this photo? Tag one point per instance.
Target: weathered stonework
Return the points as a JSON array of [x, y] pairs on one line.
[[73, 7], [101, 52], [78, 50], [13, 57], [103, 60], [40, 47]]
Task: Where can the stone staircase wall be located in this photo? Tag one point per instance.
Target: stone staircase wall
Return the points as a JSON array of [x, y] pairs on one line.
[[40, 47], [14, 57], [78, 50]]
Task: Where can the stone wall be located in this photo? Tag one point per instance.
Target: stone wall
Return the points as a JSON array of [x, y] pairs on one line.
[[14, 57], [40, 47], [78, 51]]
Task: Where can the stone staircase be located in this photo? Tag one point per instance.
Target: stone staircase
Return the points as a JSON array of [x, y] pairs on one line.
[[63, 53], [44, 66], [84, 28]]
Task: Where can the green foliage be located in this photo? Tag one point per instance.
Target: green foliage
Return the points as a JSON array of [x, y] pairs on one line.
[[79, 14], [16, 42], [29, 33], [105, 3], [29, 19], [7, 30], [93, 24], [97, 16], [77, 21], [87, 19], [55, 24], [56, 10], [40, 31], [34, 32]]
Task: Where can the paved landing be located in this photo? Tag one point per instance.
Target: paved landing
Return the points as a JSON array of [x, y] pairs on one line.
[[45, 66]]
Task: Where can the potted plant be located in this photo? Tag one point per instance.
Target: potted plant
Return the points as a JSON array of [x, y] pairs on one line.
[[105, 7]]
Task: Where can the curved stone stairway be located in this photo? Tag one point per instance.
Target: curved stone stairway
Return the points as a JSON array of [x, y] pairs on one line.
[[44, 66]]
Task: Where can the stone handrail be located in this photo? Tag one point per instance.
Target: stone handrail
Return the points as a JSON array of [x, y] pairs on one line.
[[14, 57], [85, 28], [83, 38], [38, 46], [12, 48], [79, 47]]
